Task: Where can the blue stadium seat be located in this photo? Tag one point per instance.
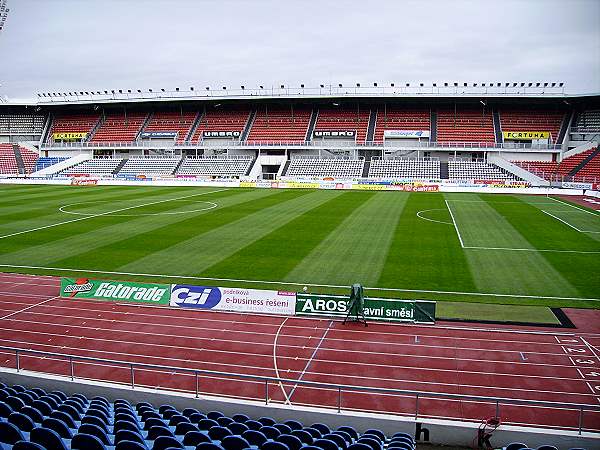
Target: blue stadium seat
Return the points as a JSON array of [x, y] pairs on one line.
[[83, 441], [61, 415], [196, 417], [401, 434], [516, 446], [125, 424], [375, 444], [26, 445], [142, 405], [547, 447], [193, 438], [253, 424], [151, 415], [294, 424], [177, 419], [14, 402], [339, 440], [59, 426], [272, 445], [5, 409], [50, 401], [166, 442], [59, 394], [344, 435], [214, 415], [314, 432], [21, 421], [9, 433], [19, 388], [351, 431], [270, 432], [184, 427], [100, 399], [324, 429], [96, 421], [76, 404], [292, 442], [325, 444], [71, 411], [358, 446], [267, 421], [42, 406], [157, 431], [130, 445], [187, 412], [237, 428], [378, 433], [81, 397], [310, 447], [255, 437], [224, 421], [47, 438], [304, 436], [163, 408], [128, 435], [100, 412], [153, 422], [218, 433], [283, 428], [209, 446], [167, 414], [242, 418], [206, 424], [94, 430], [235, 443]]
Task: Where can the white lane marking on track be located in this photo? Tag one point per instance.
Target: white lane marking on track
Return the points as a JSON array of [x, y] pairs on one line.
[[375, 288], [155, 333], [312, 357], [350, 376], [107, 213], [431, 220], [26, 309], [287, 399]]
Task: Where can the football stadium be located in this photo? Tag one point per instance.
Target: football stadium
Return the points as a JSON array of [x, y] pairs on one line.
[[335, 266]]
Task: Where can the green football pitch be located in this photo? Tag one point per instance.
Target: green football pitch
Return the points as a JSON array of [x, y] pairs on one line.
[[483, 248]]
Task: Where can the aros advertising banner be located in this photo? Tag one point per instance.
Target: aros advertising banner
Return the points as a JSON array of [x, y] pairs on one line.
[[233, 299]]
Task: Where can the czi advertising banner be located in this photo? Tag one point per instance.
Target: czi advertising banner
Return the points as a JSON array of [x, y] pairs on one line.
[[115, 290], [233, 299], [379, 309]]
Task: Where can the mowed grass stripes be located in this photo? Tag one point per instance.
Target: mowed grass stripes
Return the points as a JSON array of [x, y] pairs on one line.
[[404, 244]]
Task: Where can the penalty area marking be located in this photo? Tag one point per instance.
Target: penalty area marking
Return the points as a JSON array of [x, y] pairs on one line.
[[432, 220], [567, 223], [107, 213], [212, 205], [291, 283]]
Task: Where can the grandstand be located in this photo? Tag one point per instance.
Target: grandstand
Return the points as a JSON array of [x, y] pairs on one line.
[[168, 121], [216, 166], [280, 125], [325, 167], [391, 168], [480, 170]]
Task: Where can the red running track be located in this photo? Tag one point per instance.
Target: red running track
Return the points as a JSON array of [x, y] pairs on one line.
[[511, 362]]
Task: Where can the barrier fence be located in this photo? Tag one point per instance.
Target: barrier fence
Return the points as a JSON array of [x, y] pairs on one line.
[[340, 397]]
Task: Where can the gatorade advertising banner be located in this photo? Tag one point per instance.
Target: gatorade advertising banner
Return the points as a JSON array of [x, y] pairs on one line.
[[115, 290], [379, 309]]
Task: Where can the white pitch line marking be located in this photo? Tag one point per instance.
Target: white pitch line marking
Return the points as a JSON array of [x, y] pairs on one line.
[[455, 226], [563, 221], [290, 283], [431, 220], [573, 206], [107, 213], [534, 250]]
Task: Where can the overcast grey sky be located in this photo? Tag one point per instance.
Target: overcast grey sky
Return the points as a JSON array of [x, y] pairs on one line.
[[63, 45]]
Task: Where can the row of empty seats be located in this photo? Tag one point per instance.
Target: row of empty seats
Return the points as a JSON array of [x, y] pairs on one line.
[[465, 126], [587, 122], [554, 171], [405, 168], [46, 161], [215, 167], [57, 421], [290, 124], [8, 159], [95, 166], [162, 166], [532, 120], [178, 122], [468, 170], [326, 167], [21, 124]]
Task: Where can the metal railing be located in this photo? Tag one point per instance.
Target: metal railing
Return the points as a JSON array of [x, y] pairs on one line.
[[311, 144], [339, 389]]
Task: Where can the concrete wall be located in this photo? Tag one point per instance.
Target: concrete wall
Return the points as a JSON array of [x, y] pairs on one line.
[[434, 431]]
